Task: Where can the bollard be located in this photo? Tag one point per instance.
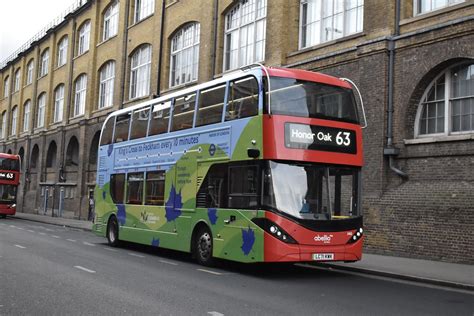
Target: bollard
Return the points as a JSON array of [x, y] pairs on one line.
[[61, 201], [45, 204]]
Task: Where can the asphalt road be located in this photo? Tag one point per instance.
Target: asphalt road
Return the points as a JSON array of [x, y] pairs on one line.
[[51, 270]]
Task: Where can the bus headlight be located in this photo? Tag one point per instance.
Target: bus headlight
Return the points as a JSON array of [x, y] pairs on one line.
[[13, 205], [274, 230]]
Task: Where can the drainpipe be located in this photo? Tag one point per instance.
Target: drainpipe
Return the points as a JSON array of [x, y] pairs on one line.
[[160, 55], [390, 150], [214, 44], [124, 52]]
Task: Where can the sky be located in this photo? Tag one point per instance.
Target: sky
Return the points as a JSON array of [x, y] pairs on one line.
[[20, 20]]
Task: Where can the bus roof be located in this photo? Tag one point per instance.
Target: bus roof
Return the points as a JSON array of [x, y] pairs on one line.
[[307, 75], [11, 156]]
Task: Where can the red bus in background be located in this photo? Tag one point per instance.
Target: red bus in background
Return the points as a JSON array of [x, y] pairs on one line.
[[9, 180]]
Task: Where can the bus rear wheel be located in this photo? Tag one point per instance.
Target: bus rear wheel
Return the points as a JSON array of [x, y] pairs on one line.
[[203, 247], [113, 232]]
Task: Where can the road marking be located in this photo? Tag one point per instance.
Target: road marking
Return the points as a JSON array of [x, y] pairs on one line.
[[169, 262], [44, 234], [20, 228], [135, 255], [110, 249], [88, 243], [31, 231], [71, 240], [215, 314], [54, 236], [49, 230], [21, 247], [84, 269], [12, 226], [209, 271]]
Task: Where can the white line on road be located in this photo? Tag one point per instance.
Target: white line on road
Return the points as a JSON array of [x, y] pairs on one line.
[[169, 262], [44, 234], [110, 249], [71, 240], [208, 271], [54, 236], [21, 247], [215, 314], [31, 231], [88, 243], [135, 255], [20, 228], [84, 269], [49, 230]]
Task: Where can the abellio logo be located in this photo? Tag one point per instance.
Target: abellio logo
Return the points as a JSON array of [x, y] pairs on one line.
[[326, 239]]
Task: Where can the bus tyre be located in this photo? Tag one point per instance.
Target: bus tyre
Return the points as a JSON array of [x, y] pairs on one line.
[[203, 247], [113, 232]]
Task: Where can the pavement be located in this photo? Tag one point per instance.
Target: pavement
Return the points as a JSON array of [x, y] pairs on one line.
[[460, 276]]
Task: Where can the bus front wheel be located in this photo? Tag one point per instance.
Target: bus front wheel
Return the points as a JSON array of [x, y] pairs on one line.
[[113, 232], [203, 247]]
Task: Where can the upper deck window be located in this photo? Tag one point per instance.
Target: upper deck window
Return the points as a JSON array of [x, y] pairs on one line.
[[295, 97], [160, 118], [9, 164], [183, 112], [121, 128], [211, 103], [140, 123], [242, 100]]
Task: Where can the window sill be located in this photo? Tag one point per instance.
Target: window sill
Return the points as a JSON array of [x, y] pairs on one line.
[[427, 15], [60, 66], [137, 99], [81, 54], [103, 109], [140, 21], [107, 40], [326, 44], [438, 139]]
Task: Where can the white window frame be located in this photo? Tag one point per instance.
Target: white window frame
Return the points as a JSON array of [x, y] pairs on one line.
[[110, 26], [58, 103], [17, 80], [29, 72], [106, 85], [143, 9], [140, 68], [431, 5], [4, 124], [14, 120], [26, 116], [41, 110], [80, 93], [44, 63], [448, 120], [62, 51], [184, 59], [325, 12], [244, 19], [84, 38], [6, 87]]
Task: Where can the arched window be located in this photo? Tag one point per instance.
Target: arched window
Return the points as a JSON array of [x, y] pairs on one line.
[[26, 116], [58, 103], [110, 26], [51, 155], [245, 28], [6, 87], [72, 152], [29, 72], [143, 9], [140, 67], [34, 157], [21, 153], [185, 55], [14, 120], [83, 38], [41, 110], [4, 124], [16, 86], [80, 89], [93, 150], [447, 106], [44, 63], [62, 51], [106, 84]]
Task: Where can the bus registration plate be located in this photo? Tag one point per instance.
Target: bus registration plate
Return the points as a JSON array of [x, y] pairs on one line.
[[323, 256]]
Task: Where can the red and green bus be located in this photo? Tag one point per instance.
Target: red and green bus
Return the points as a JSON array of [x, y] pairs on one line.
[[9, 181], [261, 165]]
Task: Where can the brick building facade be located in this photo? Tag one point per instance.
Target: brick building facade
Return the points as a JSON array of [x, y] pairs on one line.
[[413, 62]]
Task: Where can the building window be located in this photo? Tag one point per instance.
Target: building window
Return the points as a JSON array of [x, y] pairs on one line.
[[41, 110], [58, 103], [6, 87], [16, 86], [44, 63], [14, 120], [425, 6], [29, 72], [110, 21], [140, 72], [62, 51], [106, 85], [143, 8], [80, 88], [323, 21], [84, 38], [245, 28], [447, 106], [4, 124], [26, 116], [185, 55]]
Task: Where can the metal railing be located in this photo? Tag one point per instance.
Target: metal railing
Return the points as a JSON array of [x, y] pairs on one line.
[[59, 19]]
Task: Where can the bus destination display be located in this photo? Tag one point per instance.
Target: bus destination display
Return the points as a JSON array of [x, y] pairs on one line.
[[314, 137]]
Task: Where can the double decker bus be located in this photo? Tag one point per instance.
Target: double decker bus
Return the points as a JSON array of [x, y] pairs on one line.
[[9, 181], [261, 165]]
